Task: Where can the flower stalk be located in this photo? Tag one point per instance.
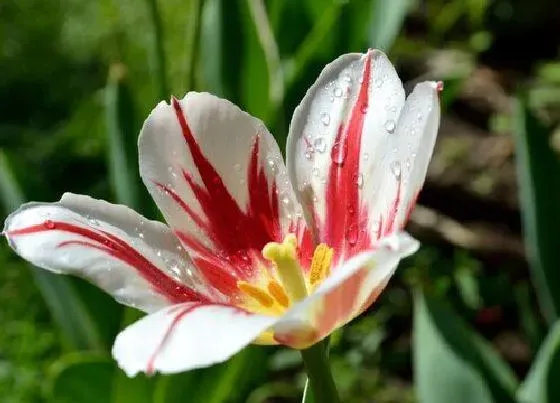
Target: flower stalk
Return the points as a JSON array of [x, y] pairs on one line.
[[316, 362]]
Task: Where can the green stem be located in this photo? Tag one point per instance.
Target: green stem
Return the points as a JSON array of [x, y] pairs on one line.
[[316, 362]]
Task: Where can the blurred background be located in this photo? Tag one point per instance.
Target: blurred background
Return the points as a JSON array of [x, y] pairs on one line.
[[470, 318]]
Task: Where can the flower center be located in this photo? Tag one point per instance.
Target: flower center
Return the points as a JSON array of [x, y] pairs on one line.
[[289, 282]]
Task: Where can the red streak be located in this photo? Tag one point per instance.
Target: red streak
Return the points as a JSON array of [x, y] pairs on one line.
[[150, 367], [171, 289], [235, 232], [180, 312], [346, 220]]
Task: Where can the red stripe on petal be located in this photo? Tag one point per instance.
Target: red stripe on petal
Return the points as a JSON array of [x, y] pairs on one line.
[[393, 210], [169, 331], [235, 233], [346, 221], [179, 313], [173, 290], [177, 199]]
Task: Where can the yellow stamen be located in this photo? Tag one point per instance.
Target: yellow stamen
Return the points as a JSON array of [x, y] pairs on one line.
[[279, 294], [284, 256], [321, 264], [257, 293]]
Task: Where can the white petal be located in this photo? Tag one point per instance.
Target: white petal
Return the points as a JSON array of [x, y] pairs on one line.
[[345, 294], [217, 175], [186, 336], [416, 135], [347, 119], [139, 262]]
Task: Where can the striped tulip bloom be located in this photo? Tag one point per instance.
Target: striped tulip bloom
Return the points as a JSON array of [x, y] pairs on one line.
[[256, 250]]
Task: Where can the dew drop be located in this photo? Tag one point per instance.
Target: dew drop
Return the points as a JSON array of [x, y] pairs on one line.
[[359, 179], [286, 200], [347, 78], [270, 162], [170, 168], [352, 234], [320, 144], [315, 171], [390, 126], [366, 156], [158, 253], [237, 167], [49, 224], [396, 168], [338, 152], [337, 92], [378, 82], [325, 118], [364, 108], [407, 164]]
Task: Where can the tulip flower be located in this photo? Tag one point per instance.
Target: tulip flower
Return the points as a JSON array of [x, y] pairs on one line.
[[255, 250]]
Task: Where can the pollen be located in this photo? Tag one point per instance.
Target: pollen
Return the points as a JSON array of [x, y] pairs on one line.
[[257, 293], [279, 294], [320, 264]]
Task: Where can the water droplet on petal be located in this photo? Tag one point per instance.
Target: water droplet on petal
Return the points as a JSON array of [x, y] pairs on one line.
[[286, 200], [320, 144], [237, 167], [315, 171], [407, 164], [396, 168], [347, 78], [378, 82], [158, 253], [366, 156], [337, 92], [359, 179], [390, 126], [270, 162], [338, 152], [352, 234], [364, 108], [325, 118], [49, 224]]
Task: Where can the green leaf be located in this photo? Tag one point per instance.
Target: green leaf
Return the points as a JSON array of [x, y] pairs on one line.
[[158, 52], [541, 383], [122, 138], [90, 378], [452, 363], [67, 308], [229, 382], [81, 378], [538, 172], [386, 22]]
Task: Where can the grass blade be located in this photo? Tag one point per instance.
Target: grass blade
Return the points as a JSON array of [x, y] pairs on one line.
[[452, 363], [66, 307], [538, 172], [386, 22]]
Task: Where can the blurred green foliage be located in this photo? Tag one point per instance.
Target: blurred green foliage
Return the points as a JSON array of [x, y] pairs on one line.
[[78, 77]]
